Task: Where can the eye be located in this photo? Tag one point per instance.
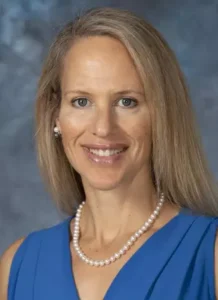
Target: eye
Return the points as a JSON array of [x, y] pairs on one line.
[[128, 102], [81, 102]]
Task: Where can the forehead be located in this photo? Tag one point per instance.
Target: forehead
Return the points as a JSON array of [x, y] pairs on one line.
[[102, 59]]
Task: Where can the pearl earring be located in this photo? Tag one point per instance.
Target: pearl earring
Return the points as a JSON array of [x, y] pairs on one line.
[[56, 132]]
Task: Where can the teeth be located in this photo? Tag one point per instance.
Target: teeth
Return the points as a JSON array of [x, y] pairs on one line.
[[107, 152]]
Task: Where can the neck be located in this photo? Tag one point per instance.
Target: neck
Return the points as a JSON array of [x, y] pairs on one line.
[[111, 214]]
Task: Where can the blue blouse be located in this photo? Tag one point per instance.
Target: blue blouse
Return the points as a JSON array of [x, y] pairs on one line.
[[175, 263]]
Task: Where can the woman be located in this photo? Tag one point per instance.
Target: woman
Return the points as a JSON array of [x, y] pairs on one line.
[[118, 148]]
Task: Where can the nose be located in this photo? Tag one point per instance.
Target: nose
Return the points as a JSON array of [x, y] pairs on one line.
[[103, 122]]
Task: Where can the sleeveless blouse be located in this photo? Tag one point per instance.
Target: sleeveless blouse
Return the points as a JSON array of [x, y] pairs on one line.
[[175, 263]]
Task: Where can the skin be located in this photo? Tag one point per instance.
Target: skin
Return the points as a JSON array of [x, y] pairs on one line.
[[120, 197]]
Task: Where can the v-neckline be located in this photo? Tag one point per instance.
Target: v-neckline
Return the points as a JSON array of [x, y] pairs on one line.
[[154, 238]]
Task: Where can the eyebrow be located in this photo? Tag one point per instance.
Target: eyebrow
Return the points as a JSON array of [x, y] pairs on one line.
[[128, 91]]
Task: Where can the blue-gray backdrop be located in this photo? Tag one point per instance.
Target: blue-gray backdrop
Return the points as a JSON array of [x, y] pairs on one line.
[[26, 30]]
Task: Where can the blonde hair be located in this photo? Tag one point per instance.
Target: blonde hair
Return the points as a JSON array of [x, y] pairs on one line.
[[177, 159]]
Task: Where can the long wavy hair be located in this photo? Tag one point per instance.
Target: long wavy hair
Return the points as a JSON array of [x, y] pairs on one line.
[[178, 162]]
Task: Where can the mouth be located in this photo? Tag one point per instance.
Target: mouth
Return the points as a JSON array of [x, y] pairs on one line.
[[106, 152], [106, 156]]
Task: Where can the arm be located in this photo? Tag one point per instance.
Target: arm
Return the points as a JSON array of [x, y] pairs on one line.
[[5, 265], [216, 266]]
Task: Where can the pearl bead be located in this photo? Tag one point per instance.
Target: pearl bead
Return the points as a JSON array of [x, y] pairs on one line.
[[112, 259], [129, 243], [137, 235], [140, 231], [107, 261], [144, 228], [132, 239]]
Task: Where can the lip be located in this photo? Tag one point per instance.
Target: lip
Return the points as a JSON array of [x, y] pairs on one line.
[[104, 160], [106, 146]]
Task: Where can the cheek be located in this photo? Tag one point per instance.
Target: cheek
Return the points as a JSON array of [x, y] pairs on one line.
[[141, 129], [141, 134], [73, 122], [70, 130], [71, 125]]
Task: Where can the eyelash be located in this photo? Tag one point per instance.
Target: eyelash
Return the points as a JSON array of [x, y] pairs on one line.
[[73, 101]]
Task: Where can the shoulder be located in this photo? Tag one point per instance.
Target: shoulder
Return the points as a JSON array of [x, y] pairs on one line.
[[26, 249], [5, 266], [216, 264]]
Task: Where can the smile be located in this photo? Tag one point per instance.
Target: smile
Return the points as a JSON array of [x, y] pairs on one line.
[[106, 152], [105, 156]]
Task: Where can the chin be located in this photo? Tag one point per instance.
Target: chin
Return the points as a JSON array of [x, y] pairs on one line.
[[103, 184]]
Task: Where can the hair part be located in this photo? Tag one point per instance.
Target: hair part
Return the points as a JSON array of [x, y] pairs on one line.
[[178, 162]]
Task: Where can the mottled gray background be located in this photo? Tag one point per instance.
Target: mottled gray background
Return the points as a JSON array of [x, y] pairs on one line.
[[26, 30]]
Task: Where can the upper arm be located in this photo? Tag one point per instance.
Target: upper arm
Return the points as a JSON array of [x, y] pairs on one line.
[[216, 265], [5, 266]]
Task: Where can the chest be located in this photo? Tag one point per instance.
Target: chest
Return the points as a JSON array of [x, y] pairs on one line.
[[93, 283]]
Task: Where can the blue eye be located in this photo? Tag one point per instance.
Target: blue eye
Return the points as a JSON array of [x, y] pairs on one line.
[[81, 102], [128, 101]]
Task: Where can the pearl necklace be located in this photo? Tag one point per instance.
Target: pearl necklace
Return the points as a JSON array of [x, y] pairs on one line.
[[125, 248]]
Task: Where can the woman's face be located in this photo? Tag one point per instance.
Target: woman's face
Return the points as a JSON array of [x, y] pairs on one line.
[[103, 108]]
